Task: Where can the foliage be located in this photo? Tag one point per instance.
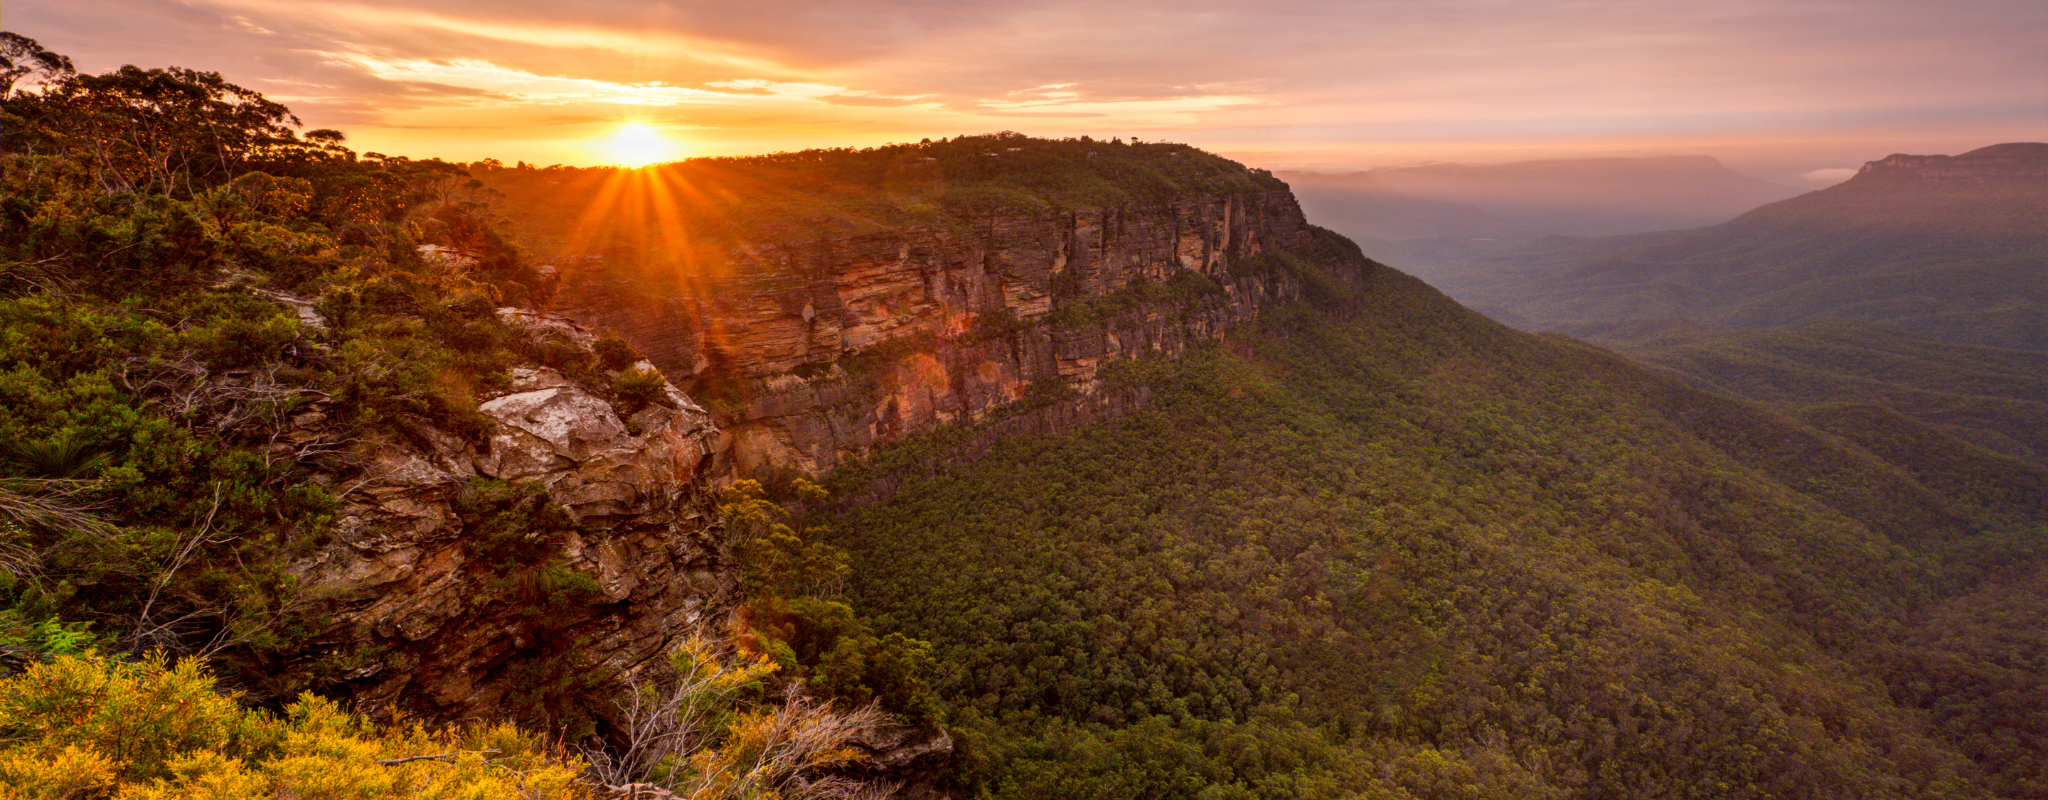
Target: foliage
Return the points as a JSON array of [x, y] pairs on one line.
[[1395, 534], [182, 275], [792, 580], [845, 658], [614, 353], [89, 726], [691, 732], [638, 388], [507, 524], [776, 559], [1997, 399]]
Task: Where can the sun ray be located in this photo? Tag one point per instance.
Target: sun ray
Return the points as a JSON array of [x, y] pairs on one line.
[[597, 219]]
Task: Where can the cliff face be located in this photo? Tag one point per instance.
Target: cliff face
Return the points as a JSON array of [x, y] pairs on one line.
[[2015, 163], [576, 541], [811, 352], [570, 547], [1995, 194]]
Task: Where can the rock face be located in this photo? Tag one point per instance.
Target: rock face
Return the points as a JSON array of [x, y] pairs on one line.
[[2018, 162], [812, 352], [418, 580], [1997, 193], [576, 541]]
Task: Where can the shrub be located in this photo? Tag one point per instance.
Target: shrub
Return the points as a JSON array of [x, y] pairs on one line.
[[91, 726], [638, 388], [508, 523], [849, 661], [615, 354]]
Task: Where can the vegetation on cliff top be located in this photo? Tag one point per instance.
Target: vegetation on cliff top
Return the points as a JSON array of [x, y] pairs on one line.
[[153, 226], [690, 211], [185, 279]]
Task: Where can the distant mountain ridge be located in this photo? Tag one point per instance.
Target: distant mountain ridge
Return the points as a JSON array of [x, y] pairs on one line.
[[1528, 199], [1995, 164], [2001, 185], [1952, 248], [1140, 485]]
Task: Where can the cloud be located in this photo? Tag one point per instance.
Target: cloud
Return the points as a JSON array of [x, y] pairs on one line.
[[872, 100], [1829, 176], [1367, 75]]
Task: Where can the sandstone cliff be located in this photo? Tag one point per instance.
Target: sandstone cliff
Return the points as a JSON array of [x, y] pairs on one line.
[[1997, 193], [568, 548], [575, 542], [2014, 163], [810, 352]]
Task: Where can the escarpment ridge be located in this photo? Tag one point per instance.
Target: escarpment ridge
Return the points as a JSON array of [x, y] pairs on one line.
[[1949, 248], [813, 344]]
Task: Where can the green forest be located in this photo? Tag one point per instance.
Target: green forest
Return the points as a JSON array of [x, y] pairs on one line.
[[1391, 549], [1994, 398], [152, 225], [1379, 547]]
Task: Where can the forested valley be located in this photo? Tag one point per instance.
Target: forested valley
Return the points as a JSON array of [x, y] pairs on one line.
[[1390, 544], [1376, 546]]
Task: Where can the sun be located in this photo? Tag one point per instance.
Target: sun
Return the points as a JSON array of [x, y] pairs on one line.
[[638, 145]]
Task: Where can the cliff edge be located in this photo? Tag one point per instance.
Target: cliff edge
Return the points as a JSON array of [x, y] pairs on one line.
[[812, 347]]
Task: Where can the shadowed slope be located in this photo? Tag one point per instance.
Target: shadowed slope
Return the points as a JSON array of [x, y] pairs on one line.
[[1391, 533], [1950, 248]]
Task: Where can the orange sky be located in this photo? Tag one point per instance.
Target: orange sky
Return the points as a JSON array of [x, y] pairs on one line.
[[1778, 88]]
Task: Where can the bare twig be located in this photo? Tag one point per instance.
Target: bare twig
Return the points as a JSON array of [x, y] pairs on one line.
[[46, 503], [144, 631], [242, 402], [392, 762], [786, 751]]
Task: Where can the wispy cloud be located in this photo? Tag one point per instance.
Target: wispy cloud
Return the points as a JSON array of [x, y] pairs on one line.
[[1377, 79], [1829, 176]]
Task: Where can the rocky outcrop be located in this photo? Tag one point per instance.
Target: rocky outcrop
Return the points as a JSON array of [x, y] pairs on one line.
[[911, 759], [2024, 163], [570, 546], [574, 542], [812, 352], [1993, 197]]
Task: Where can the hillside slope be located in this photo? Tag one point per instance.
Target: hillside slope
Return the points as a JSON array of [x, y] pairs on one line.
[[1997, 399], [1389, 548], [1572, 197], [1948, 248]]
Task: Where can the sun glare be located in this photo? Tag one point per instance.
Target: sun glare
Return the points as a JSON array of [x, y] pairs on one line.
[[638, 145]]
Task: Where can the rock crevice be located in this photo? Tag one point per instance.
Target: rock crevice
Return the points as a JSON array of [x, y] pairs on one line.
[[445, 624]]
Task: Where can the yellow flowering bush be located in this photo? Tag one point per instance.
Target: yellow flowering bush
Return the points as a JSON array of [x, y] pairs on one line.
[[93, 727]]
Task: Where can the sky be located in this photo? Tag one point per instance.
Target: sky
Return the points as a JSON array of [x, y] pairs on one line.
[[1787, 90]]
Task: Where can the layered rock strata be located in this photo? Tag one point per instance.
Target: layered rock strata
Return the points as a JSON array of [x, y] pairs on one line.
[[812, 352], [416, 582], [2021, 163]]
